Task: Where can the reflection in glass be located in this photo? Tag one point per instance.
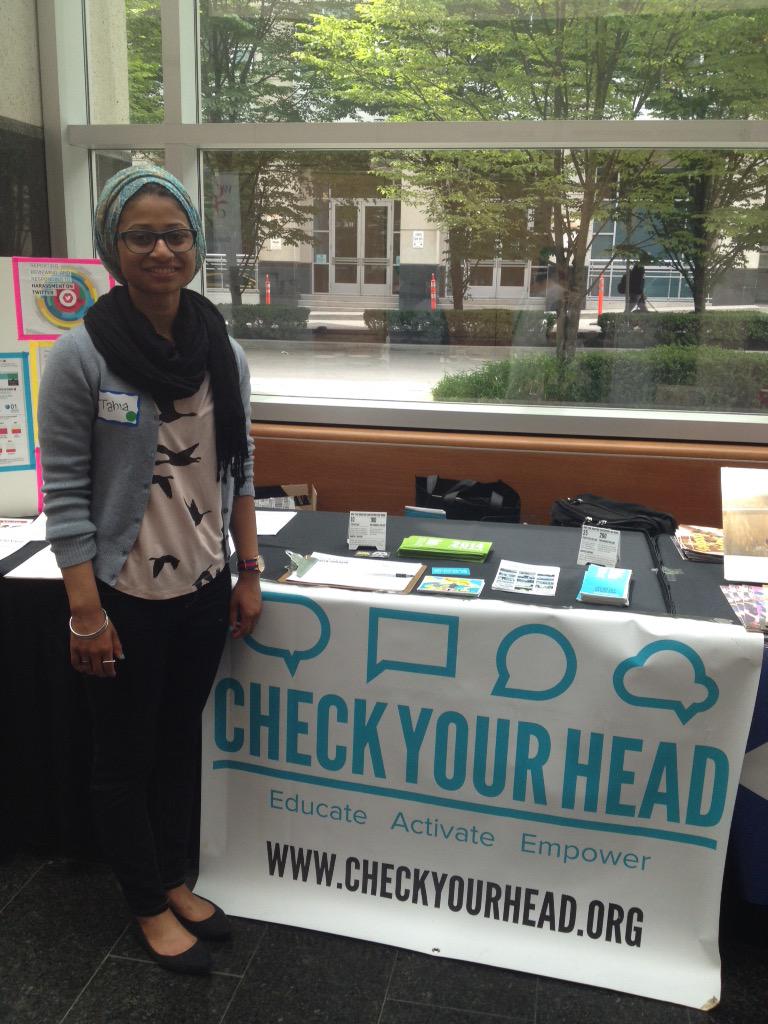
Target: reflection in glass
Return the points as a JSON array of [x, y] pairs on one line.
[[375, 273], [376, 220], [525, 249], [345, 273], [109, 162], [307, 60], [345, 224], [481, 276], [124, 46], [512, 277]]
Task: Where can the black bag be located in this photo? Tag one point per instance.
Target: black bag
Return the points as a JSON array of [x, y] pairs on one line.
[[621, 287], [468, 499], [617, 515]]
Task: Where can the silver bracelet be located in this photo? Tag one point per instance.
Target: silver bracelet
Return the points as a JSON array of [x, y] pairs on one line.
[[89, 636]]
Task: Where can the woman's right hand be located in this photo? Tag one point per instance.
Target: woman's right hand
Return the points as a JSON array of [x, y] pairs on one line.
[[99, 656]]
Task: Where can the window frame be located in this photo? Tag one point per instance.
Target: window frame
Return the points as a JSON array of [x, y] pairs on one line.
[[71, 142]]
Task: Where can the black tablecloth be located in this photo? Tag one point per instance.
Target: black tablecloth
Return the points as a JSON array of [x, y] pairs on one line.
[[44, 731], [543, 545]]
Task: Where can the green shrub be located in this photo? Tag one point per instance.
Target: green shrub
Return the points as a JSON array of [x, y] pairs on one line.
[[462, 327], [732, 329], [671, 376], [376, 322], [499, 327], [258, 320], [416, 326]]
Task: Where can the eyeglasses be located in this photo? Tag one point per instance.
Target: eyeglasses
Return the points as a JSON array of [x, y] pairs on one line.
[[143, 242]]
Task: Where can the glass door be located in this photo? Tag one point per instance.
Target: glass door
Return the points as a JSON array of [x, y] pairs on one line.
[[345, 277], [377, 248], [361, 239]]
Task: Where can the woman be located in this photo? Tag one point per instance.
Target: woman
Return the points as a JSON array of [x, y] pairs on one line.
[[147, 465]]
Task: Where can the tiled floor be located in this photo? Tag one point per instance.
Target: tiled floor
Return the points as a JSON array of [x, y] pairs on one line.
[[67, 955]]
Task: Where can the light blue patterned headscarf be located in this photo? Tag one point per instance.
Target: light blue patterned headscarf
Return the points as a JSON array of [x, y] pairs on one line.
[[118, 190]]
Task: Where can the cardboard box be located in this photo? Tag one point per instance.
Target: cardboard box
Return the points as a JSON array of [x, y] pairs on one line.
[[289, 497]]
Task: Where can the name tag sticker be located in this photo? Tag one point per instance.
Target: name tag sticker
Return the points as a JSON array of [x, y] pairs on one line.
[[118, 407]]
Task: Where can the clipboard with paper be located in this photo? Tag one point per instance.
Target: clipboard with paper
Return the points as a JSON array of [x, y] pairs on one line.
[[325, 570]]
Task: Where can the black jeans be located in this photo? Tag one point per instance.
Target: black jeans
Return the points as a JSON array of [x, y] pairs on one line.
[[146, 727]]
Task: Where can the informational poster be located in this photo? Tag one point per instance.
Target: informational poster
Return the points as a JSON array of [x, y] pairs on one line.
[[546, 790], [16, 429], [53, 295], [225, 213]]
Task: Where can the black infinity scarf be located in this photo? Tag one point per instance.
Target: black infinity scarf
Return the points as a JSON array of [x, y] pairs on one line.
[[134, 350]]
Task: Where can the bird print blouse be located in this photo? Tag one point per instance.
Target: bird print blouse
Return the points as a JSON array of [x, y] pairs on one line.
[[180, 546]]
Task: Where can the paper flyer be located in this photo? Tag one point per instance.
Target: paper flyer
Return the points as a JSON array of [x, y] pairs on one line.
[[53, 295], [16, 431]]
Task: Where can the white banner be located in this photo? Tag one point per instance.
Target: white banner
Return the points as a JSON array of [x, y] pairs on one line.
[[225, 213], [539, 789]]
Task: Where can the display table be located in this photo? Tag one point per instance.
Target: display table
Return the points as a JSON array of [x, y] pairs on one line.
[[44, 742], [537, 785]]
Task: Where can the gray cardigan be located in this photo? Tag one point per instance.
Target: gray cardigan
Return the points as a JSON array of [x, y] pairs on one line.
[[98, 444]]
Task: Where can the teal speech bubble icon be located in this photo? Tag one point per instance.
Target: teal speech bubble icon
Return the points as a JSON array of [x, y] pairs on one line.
[[500, 688], [448, 630], [294, 658], [700, 678]]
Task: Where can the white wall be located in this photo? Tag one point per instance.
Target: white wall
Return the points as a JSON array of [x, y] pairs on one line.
[[20, 63], [107, 62]]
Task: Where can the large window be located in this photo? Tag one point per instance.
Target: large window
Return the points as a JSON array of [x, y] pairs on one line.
[[542, 205], [24, 228]]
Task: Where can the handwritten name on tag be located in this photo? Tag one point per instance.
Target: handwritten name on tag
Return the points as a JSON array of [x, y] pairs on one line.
[[118, 407]]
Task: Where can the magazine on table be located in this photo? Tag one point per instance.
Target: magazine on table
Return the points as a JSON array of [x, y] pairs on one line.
[[699, 543], [750, 604]]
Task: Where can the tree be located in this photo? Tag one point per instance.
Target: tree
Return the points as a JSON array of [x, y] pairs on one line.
[[706, 214], [273, 203], [248, 62], [481, 200], [536, 59], [708, 208], [145, 78]]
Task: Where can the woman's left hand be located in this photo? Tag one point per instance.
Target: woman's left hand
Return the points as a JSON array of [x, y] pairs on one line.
[[245, 604]]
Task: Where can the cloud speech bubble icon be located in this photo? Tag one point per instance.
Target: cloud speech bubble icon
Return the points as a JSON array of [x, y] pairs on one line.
[[700, 678], [448, 643], [294, 658], [500, 688]]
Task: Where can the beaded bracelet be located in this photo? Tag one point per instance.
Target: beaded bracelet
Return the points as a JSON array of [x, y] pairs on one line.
[[89, 636]]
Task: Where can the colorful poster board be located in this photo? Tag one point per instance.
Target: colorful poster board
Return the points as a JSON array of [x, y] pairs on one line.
[[40, 299], [16, 429], [545, 790], [53, 295]]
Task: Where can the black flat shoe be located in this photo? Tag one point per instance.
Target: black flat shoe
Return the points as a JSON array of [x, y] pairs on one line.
[[195, 960], [215, 928]]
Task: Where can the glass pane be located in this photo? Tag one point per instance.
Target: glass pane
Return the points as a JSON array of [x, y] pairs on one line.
[[376, 220], [322, 220], [125, 79], [512, 277], [374, 274], [697, 340], [481, 276], [259, 213], [24, 227], [321, 245], [345, 273], [346, 231], [321, 277], [109, 162], [308, 60]]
